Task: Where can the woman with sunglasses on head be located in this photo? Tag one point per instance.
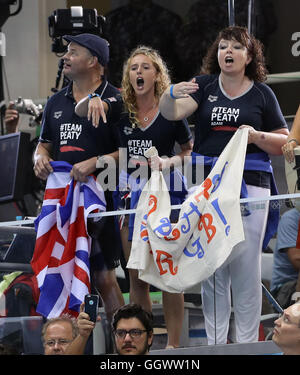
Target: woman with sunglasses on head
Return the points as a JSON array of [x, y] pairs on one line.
[[230, 94]]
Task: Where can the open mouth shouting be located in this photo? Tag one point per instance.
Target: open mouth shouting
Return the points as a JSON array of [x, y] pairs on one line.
[[140, 83], [229, 60]]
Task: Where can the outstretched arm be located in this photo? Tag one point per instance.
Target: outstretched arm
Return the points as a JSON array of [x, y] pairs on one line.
[[176, 103], [93, 108]]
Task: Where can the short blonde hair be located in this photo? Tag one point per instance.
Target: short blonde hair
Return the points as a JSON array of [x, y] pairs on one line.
[[163, 79]]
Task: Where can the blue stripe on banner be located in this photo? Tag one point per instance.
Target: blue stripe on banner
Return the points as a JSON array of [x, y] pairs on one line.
[[46, 210], [74, 303], [90, 198], [50, 292], [84, 256], [66, 210]]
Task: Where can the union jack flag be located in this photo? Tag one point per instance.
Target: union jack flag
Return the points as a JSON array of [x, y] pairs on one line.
[[61, 256]]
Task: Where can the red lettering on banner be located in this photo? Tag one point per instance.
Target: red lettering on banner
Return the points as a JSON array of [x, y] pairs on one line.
[[152, 200], [164, 257], [206, 223], [206, 185], [144, 234], [175, 233]]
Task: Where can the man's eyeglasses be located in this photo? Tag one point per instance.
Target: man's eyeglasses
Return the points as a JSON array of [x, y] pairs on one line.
[[133, 333], [61, 342]]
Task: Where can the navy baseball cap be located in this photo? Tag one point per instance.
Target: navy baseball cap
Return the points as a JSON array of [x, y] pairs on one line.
[[96, 45]]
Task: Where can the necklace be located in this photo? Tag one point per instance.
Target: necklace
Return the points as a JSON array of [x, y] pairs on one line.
[[146, 117]]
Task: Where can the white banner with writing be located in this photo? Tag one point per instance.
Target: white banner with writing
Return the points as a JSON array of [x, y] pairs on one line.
[[176, 257]]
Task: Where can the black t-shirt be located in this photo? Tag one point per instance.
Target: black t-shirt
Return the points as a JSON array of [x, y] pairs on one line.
[[219, 115], [73, 138], [161, 133]]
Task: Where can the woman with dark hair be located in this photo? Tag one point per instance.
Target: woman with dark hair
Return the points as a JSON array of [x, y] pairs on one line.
[[228, 96], [255, 70]]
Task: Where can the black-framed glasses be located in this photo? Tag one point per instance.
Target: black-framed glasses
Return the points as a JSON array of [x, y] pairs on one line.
[[61, 342], [134, 333]]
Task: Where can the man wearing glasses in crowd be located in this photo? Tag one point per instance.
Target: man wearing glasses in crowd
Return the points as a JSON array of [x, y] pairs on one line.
[[58, 333], [132, 329]]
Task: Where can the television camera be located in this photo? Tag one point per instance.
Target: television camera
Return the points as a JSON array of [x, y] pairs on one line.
[[73, 21]]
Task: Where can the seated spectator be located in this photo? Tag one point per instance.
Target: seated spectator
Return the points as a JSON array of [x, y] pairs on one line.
[[132, 329], [58, 333], [285, 283], [287, 330]]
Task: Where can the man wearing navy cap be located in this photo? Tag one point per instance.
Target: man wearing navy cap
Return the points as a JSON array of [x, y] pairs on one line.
[[97, 46], [68, 137]]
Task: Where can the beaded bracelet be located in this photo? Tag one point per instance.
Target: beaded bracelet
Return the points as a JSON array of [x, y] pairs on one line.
[[171, 92], [293, 140]]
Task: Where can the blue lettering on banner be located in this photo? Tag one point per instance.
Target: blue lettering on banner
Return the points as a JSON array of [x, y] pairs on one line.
[[199, 249], [165, 228], [216, 180], [216, 206], [185, 228]]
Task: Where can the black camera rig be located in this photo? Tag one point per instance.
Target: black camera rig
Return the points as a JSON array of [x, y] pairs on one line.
[[73, 21], [29, 107]]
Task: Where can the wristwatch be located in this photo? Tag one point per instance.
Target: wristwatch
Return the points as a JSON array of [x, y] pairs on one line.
[[295, 296], [100, 161], [93, 95]]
